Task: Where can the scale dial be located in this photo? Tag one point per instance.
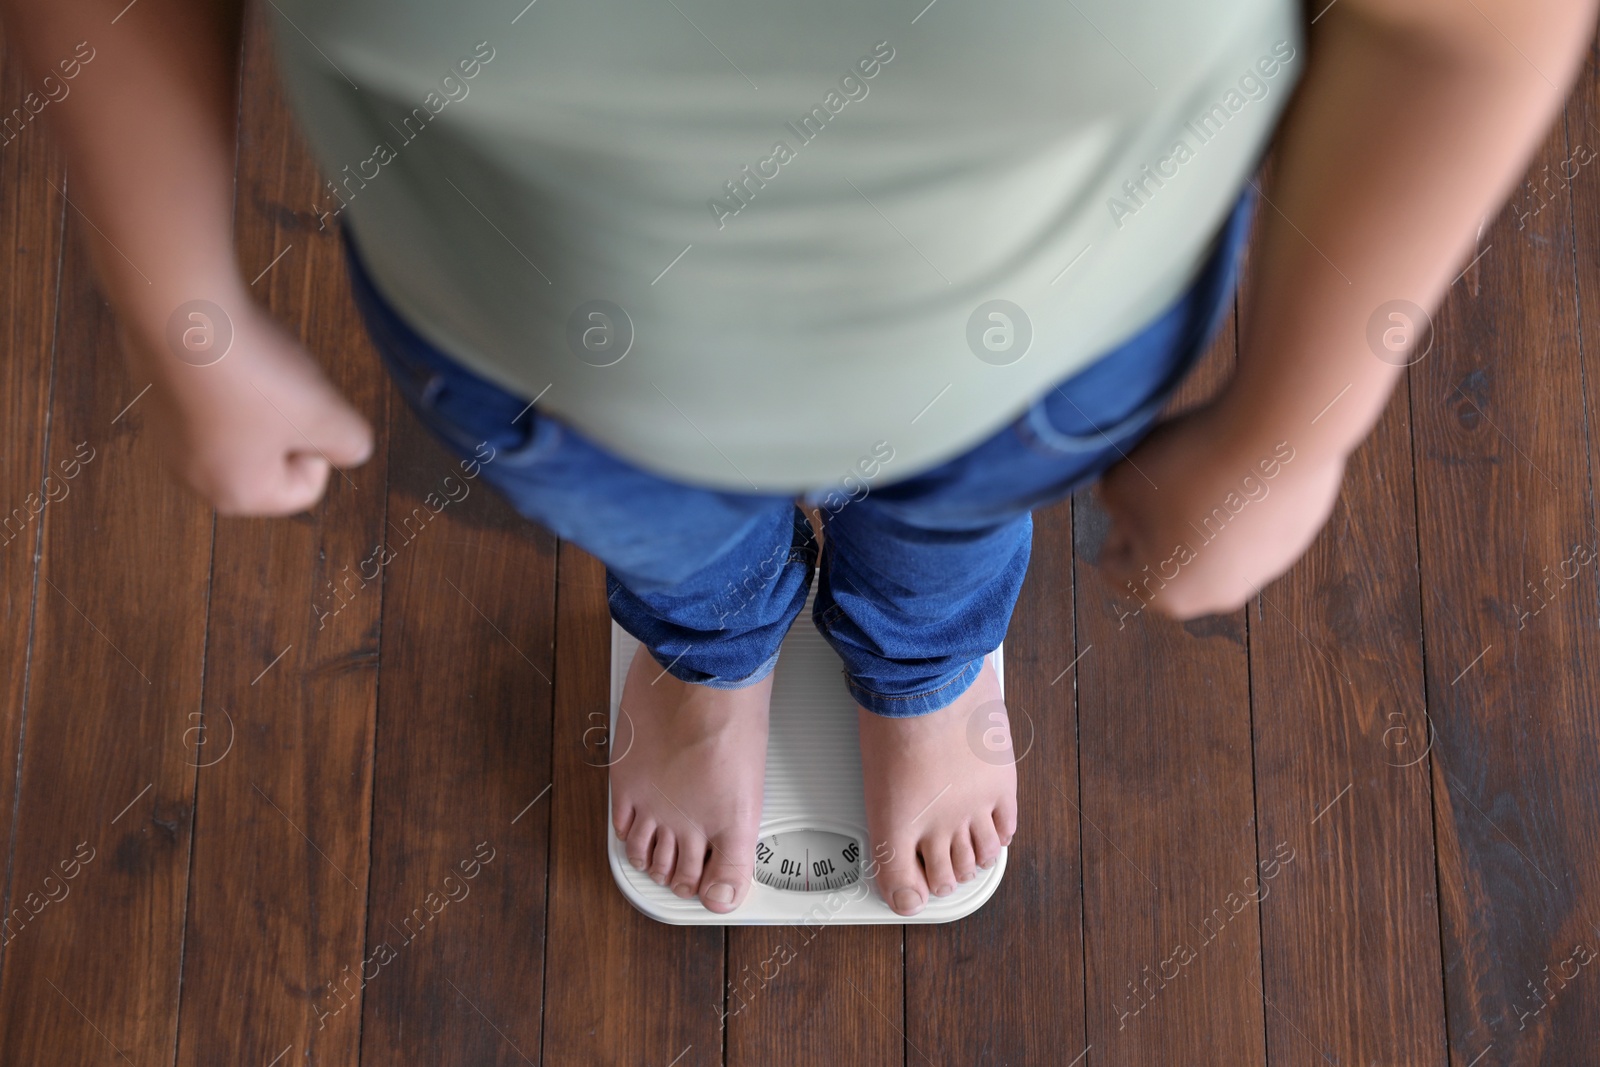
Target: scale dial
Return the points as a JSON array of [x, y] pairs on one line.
[[808, 861]]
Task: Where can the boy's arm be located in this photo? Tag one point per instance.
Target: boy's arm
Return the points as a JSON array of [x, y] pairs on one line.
[[1414, 120], [143, 104]]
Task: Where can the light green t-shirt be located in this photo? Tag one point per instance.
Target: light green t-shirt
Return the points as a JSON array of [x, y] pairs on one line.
[[751, 245]]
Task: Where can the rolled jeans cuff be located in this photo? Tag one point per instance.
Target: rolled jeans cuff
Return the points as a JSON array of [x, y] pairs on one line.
[[711, 682], [941, 694]]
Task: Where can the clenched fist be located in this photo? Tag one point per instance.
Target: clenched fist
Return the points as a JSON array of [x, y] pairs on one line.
[[1204, 512], [257, 431]]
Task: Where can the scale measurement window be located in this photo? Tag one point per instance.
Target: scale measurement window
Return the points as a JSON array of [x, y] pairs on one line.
[[808, 861]]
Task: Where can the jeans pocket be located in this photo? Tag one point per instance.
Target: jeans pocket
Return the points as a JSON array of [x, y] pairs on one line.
[[481, 421], [1113, 401]]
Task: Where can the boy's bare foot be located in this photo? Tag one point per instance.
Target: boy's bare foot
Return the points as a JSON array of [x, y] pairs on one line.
[[686, 792], [943, 803]]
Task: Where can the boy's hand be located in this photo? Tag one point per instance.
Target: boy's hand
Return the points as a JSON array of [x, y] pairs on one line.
[[1204, 513], [258, 431]]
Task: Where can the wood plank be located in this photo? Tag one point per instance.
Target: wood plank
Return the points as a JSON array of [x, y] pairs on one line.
[[284, 745], [460, 834], [116, 667], [31, 170], [1005, 984], [1504, 492], [1342, 780], [818, 995], [1165, 766], [621, 989]]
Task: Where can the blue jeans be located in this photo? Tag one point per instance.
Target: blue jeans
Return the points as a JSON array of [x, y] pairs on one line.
[[918, 576]]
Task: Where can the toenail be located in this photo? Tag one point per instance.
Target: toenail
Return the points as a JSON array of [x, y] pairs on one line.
[[944, 890], [987, 866], [907, 901], [658, 879], [638, 864], [683, 890], [720, 893]]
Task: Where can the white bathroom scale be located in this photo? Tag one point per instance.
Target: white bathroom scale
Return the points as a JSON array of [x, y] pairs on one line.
[[813, 865]]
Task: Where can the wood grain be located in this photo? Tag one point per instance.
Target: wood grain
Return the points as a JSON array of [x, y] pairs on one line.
[[283, 740], [621, 989], [461, 802], [31, 210], [114, 671], [1172, 965], [835, 995], [1342, 783], [1504, 493]]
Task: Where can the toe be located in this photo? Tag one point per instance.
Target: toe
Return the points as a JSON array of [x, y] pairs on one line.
[[963, 857], [639, 836], [900, 880], [621, 819], [935, 853], [691, 864], [1005, 819], [985, 842], [663, 856], [726, 880]]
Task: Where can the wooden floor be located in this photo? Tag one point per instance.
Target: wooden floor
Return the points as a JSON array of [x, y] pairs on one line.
[[1357, 823]]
